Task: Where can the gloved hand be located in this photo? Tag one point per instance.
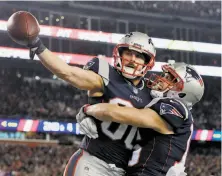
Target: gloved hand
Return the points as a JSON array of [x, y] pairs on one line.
[[87, 125], [35, 47], [177, 170]]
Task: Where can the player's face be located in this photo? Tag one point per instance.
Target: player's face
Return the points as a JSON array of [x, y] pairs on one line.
[[166, 82], [133, 59]]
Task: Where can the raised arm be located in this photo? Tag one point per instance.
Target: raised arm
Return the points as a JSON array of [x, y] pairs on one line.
[[144, 118], [24, 29], [78, 77]]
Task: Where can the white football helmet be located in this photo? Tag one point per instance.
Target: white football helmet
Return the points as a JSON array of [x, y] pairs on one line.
[[185, 84], [141, 43]]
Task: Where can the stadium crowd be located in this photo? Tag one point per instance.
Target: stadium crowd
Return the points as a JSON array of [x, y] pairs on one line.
[[23, 160], [38, 98], [203, 9], [210, 10], [192, 8]]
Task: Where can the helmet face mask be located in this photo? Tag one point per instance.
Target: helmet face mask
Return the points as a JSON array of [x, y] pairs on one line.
[[138, 42], [168, 80]]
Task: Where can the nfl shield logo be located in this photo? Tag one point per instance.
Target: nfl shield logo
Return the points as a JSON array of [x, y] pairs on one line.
[[135, 90]]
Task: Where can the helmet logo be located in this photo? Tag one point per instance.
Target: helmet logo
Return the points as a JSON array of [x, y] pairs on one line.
[[191, 73], [129, 35], [150, 41], [135, 90]]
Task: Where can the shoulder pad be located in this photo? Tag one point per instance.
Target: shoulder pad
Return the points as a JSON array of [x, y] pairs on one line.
[[172, 110], [177, 105], [92, 65], [99, 66]]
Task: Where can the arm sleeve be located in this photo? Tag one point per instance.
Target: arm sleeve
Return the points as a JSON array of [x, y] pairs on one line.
[[171, 110]]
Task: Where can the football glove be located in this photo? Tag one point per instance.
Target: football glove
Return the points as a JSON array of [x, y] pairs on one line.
[[87, 125], [177, 170], [35, 47]]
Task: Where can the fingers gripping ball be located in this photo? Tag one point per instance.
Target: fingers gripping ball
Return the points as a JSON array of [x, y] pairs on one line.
[[23, 27]]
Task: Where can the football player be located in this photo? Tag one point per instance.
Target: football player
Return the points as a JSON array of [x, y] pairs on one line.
[[108, 153], [166, 122]]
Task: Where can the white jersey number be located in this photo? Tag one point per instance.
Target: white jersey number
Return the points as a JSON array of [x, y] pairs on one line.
[[120, 131]]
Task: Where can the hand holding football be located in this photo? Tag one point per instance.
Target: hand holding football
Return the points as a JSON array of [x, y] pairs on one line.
[[23, 27]]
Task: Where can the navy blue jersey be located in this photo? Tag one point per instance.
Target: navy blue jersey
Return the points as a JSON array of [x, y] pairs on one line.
[[115, 142], [159, 152]]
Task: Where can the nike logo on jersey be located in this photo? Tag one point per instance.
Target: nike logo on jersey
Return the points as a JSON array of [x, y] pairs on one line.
[[169, 109]]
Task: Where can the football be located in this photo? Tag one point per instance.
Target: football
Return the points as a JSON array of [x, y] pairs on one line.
[[22, 27]]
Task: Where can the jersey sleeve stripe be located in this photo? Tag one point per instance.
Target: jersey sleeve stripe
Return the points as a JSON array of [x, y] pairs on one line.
[[71, 166], [185, 109], [104, 71]]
